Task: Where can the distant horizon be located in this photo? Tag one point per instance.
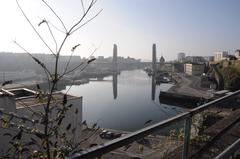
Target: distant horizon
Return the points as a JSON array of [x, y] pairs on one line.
[[106, 56]]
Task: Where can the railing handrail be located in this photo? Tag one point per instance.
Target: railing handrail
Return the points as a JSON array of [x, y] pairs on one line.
[[129, 138], [230, 151]]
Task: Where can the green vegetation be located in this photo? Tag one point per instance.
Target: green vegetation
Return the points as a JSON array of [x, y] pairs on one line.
[[231, 74]]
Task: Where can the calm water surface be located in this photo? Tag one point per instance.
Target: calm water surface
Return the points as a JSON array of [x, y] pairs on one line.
[[124, 102]]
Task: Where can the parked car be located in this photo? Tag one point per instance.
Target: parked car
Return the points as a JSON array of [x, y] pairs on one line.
[[109, 135]]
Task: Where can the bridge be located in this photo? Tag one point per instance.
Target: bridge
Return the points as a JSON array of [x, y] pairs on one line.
[[153, 65]]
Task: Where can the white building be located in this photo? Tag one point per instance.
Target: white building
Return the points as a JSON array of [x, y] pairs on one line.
[[220, 55], [181, 57], [194, 69], [237, 54], [23, 102]]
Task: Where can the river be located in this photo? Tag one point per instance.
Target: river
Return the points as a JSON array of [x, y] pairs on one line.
[[128, 101]]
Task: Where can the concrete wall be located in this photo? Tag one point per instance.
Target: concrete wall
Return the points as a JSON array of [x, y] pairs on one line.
[[71, 117], [8, 103]]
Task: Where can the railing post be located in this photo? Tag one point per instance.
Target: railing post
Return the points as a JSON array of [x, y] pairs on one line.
[[187, 134]]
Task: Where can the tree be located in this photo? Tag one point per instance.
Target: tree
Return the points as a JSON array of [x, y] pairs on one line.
[[231, 75], [45, 130]]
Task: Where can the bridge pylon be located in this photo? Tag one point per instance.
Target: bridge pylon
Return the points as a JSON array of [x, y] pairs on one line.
[[154, 58], [115, 69]]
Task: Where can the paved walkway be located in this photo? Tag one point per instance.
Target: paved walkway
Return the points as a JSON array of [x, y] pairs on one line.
[[189, 85]]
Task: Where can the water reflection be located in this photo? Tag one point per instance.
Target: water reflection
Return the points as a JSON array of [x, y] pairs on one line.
[[114, 81], [124, 101], [153, 87]]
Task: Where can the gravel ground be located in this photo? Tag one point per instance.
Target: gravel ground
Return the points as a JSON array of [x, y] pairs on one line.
[[189, 85]]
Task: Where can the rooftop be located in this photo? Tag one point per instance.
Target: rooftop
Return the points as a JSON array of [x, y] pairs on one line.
[[26, 97]]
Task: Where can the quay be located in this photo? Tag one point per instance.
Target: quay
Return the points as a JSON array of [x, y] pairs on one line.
[[186, 92], [181, 100]]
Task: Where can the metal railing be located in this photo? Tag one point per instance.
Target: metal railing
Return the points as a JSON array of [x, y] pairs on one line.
[[230, 152], [129, 138]]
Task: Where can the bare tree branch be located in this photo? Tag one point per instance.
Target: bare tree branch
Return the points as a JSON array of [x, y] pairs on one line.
[[53, 37], [69, 60], [29, 108], [35, 30], [55, 14], [76, 67], [15, 116], [49, 81], [88, 137], [87, 21], [74, 80], [83, 7], [81, 19], [50, 31], [56, 28], [67, 35], [75, 47], [35, 59], [47, 116]]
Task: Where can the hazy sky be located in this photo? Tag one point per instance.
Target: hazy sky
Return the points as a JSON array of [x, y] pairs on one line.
[[196, 27]]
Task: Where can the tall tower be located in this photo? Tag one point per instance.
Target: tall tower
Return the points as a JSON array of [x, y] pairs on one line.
[[154, 58], [181, 57], [115, 71], [161, 61], [115, 58]]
